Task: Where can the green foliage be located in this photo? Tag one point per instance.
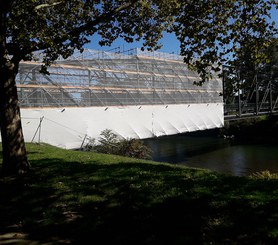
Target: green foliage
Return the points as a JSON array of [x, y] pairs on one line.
[[108, 142], [57, 28], [215, 32], [253, 130], [134, 148], [207, 30], [111, 143], [247, 70]]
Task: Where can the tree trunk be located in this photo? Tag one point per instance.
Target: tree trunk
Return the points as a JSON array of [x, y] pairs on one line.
[[14, 152]]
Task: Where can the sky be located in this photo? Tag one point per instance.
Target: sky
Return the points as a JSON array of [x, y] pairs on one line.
[[169, 41]]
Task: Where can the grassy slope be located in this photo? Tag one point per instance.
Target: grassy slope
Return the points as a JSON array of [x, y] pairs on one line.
[[73, 196]]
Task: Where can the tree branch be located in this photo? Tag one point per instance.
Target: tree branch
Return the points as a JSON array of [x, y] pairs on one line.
[[45, 5], [79, 30]]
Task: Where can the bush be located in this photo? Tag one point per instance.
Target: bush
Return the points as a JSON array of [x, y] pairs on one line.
[[134, 148], [111, 143], [108, 142]]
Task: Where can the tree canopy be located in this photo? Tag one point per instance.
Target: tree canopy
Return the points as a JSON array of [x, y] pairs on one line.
[[58, 27], [207, 30], [210, 33], [246, 71], [213, 32]]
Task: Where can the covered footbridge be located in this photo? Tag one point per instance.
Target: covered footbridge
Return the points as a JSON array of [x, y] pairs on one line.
[[136, 94]]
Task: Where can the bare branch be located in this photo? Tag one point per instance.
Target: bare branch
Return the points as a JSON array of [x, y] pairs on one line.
[[46, 5]]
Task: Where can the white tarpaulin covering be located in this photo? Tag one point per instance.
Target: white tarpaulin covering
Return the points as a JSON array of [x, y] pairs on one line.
[[72, 127]]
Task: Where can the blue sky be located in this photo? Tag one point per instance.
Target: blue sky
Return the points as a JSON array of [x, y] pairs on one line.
[[169, 41]]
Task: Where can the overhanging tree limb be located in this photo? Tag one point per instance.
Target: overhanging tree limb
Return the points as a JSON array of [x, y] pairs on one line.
[[81, 29]]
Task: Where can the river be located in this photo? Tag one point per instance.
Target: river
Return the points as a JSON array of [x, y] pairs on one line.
[[215, 153]]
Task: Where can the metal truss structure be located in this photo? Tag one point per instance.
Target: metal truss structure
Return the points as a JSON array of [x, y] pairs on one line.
[[258, 95], [99, 78]]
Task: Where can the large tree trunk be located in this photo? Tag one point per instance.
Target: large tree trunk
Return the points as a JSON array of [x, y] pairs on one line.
[[13, 146]]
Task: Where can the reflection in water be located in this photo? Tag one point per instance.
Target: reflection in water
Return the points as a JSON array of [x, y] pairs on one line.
[[215, 154]]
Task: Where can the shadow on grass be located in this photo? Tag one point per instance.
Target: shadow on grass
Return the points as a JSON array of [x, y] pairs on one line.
[[137, 203]]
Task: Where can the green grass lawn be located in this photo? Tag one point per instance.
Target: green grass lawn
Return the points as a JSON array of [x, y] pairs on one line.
[[75, 197]]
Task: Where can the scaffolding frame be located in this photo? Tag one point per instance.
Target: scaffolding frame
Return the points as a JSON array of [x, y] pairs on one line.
[[100, 78]]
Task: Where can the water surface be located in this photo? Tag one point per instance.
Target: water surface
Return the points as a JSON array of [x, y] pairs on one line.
[[215, 153]]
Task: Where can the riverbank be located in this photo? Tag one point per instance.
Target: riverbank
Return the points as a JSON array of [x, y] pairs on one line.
[[252, 130], [76, 197], [245, 130]]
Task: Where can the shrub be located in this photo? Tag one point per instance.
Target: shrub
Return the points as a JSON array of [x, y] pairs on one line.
[[111, 143], [134, 148], [108, 142]]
